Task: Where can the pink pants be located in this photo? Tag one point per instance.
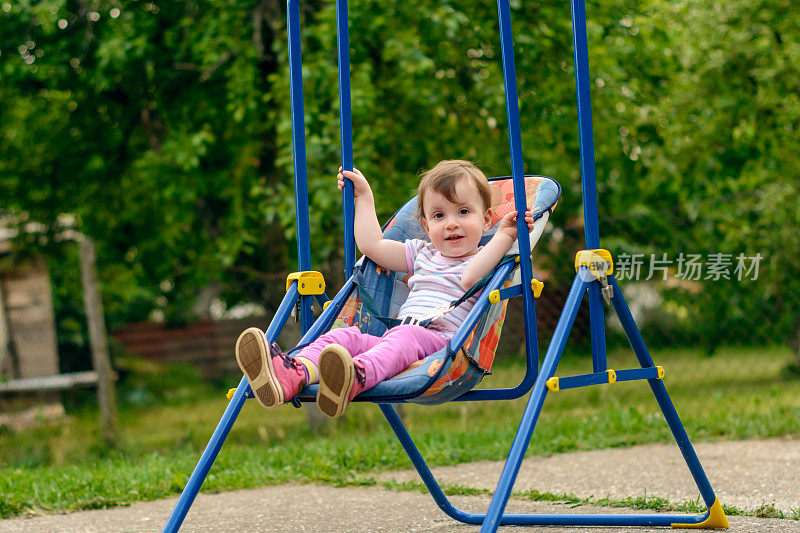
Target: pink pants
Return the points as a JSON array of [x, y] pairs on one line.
[[382, 357]]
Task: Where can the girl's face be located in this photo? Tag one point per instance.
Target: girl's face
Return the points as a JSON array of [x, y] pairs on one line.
[[455, 228]]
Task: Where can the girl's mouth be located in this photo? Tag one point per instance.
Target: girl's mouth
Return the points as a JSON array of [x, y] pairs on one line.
[[454, 237]]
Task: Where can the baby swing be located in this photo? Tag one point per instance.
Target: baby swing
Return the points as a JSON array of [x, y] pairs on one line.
[[451, 373]]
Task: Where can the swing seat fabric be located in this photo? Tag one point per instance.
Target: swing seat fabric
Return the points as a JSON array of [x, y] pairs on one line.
[[451, 371]]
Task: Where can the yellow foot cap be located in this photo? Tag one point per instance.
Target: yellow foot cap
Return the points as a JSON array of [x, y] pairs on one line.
[[716, 519]]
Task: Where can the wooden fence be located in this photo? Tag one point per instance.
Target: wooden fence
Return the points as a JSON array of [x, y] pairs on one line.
[[208, 344]]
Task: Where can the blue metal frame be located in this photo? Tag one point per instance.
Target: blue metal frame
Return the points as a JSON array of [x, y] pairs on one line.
[[600, 378], [346, 132], [226, 423], [518, 175], [589, 185], [299, 153], [535, 377], [495, 516]]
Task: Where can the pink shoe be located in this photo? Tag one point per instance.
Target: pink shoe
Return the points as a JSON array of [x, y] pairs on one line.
[[274, 378], [340, 380]]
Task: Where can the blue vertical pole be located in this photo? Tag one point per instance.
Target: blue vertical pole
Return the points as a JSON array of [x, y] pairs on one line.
[[597, 328], [581, 56], [346, 128], [518, 175], [588, 179], [299, 152]]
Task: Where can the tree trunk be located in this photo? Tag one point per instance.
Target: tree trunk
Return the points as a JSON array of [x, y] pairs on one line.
[[98, 341], [9, 368]]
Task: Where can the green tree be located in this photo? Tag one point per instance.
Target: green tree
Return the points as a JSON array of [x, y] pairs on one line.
[[708, 109], [165, 131], [147, 122]]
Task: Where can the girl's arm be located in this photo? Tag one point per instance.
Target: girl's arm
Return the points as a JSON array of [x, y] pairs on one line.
[[491, 254], [369, 237]]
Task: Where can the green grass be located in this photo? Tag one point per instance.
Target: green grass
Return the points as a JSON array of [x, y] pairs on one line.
[[739, 393]]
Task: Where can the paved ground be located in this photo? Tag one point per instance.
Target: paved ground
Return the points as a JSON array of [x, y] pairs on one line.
[[744, 474]]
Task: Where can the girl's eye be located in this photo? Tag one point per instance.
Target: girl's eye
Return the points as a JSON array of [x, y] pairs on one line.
[[464, 211], [438, 215]]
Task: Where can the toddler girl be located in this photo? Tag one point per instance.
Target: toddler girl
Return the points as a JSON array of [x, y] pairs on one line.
[[454, 202]]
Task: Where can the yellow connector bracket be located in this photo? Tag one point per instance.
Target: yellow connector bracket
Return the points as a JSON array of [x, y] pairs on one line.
[[494, 297], [598, 261], [537, 287], [309, 282], [660, 370], [230, 394], [716, 519], [612, 376], [552, 384]]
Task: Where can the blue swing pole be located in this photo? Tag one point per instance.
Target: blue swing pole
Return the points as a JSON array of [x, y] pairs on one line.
[[518, 175], [346, 132], [591, 229], [299, 157], [588, 179]]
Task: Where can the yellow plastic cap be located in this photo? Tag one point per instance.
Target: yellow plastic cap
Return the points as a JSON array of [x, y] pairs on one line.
[[716, 519], [598, 261], [537, 287], [494, 297], [309, 282]]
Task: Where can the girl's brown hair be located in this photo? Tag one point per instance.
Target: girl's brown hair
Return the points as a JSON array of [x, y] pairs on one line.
[[443, 179]]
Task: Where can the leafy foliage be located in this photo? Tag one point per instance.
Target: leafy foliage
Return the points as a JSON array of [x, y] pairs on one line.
[[165, 129]]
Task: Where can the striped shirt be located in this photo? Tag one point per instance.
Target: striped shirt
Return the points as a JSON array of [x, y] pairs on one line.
[[435, 281]]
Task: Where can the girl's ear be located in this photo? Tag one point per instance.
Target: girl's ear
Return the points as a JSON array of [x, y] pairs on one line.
[[424, 224], [487, 220]]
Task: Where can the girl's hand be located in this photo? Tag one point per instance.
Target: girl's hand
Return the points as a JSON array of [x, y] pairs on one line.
[[360, 184], [508, 224]]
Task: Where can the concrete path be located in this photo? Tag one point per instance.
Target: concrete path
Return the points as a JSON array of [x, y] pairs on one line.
[[744, 474]]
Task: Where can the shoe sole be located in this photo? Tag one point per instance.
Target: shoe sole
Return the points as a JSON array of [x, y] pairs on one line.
[[336, 375], [252, 355]]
